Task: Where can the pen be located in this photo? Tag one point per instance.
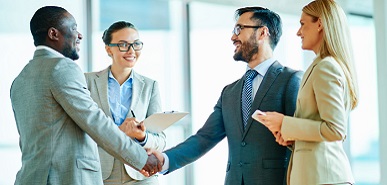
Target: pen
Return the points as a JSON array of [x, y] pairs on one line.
[[132, 113], [168, 112], [134, 116]]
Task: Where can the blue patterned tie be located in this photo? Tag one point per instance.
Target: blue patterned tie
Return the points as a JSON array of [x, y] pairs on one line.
[[247, 93]]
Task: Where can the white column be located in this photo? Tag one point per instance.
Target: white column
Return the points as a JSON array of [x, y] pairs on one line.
[[380, 17]]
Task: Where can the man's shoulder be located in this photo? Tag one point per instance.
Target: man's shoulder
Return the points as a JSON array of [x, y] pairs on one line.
[[292, 71]]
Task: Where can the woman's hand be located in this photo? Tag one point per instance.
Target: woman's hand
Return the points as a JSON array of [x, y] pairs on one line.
[[272, 120], [134, 129], [280, 140]]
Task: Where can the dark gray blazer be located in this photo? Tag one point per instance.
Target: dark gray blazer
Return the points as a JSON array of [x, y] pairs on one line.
[[253, 154], [59, 123]]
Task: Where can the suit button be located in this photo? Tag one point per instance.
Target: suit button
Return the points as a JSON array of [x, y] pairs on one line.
[[240, 164], [243, 143]]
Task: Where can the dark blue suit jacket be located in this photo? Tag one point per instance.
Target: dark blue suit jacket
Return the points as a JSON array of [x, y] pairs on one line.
[[253, 153]]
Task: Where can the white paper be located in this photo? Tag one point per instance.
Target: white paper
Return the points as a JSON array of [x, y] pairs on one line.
[[160, 121]]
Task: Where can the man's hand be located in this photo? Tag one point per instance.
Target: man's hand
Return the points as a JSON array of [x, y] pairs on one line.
[[158, 154], [152, 166]]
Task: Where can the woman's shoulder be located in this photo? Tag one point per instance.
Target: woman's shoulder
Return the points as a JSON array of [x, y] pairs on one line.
[[329, 65], [328, 61], [143, 78]]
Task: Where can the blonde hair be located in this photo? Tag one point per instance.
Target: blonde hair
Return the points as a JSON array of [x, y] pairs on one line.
[[336, 39]]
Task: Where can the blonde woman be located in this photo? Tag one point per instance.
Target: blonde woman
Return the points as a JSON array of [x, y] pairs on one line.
[[328, 93]]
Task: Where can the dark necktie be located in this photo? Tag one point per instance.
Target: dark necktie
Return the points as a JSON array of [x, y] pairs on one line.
[[247, 93]]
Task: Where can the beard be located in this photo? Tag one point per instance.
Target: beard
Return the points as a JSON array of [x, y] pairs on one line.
[[247, 50], [70, 52]]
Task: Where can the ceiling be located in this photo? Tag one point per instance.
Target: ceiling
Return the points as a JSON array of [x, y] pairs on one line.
[[354, 7]]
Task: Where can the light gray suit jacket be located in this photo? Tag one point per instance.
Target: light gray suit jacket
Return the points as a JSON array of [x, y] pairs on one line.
[[253, 155], [145, 102], [57, 122]]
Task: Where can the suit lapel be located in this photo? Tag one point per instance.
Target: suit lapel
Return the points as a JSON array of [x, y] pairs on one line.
[[309, 71], [137, 89], [235, 101], [102, 85], [267, 82]]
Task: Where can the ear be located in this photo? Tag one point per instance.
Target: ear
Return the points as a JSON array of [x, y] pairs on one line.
[[53, 33], [108, 51], [264, 33], [320, 26]]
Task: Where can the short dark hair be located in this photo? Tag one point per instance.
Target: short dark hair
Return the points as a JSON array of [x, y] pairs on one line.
[[107, 34], [265, 17], [43, 19]]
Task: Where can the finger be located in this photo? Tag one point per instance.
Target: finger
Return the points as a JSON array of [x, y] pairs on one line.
[[261, 118], [145, 173], [277, 139], [159, 166], [142, 126]]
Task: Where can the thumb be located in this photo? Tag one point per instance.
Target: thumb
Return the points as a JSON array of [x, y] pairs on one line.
[[149, 151], [142, 126]]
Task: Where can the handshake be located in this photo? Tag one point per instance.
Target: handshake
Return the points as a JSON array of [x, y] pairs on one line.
[[153, 164]]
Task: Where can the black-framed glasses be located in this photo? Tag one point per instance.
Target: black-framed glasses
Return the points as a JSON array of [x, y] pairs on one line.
[[124, 46], [237, 29]]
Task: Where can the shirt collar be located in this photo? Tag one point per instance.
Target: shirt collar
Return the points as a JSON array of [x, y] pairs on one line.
[[127, 82], [263, 67], [53, 51]]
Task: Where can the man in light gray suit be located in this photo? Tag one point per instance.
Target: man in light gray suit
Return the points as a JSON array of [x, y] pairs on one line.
[[254, 157], [57, 120]]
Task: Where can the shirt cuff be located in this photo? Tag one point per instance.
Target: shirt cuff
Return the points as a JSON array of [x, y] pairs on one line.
[[165, 167], [142, 143]]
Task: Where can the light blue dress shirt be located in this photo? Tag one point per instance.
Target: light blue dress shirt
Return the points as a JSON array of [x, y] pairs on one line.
[[261, 69], [120, 98]]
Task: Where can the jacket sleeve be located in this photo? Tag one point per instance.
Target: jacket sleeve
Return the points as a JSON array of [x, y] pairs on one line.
[[330, 120], [155, 141], [70, 91]]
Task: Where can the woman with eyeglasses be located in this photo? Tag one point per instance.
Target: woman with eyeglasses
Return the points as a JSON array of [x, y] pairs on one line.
[[122, 93]]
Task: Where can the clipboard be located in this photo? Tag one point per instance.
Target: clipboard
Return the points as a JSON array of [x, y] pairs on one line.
[[160, 121]]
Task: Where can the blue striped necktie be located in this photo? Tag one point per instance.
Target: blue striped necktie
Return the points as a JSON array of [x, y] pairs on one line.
[[247, 93]]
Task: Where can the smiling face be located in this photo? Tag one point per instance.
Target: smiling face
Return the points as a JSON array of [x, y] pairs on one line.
[[310, 32], [70, 37], [123, 60], [245, 43]]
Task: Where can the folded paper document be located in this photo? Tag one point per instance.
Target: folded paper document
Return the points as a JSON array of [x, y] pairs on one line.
[[160, 121]]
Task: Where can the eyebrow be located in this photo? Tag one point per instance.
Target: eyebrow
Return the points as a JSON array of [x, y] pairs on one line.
[[127, 41]]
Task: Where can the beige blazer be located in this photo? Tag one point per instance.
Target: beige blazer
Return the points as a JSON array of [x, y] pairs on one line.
[[145, 102], [319, 127]]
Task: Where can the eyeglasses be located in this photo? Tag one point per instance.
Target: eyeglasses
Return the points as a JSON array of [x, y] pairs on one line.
[[124, 46], [238, 28]]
